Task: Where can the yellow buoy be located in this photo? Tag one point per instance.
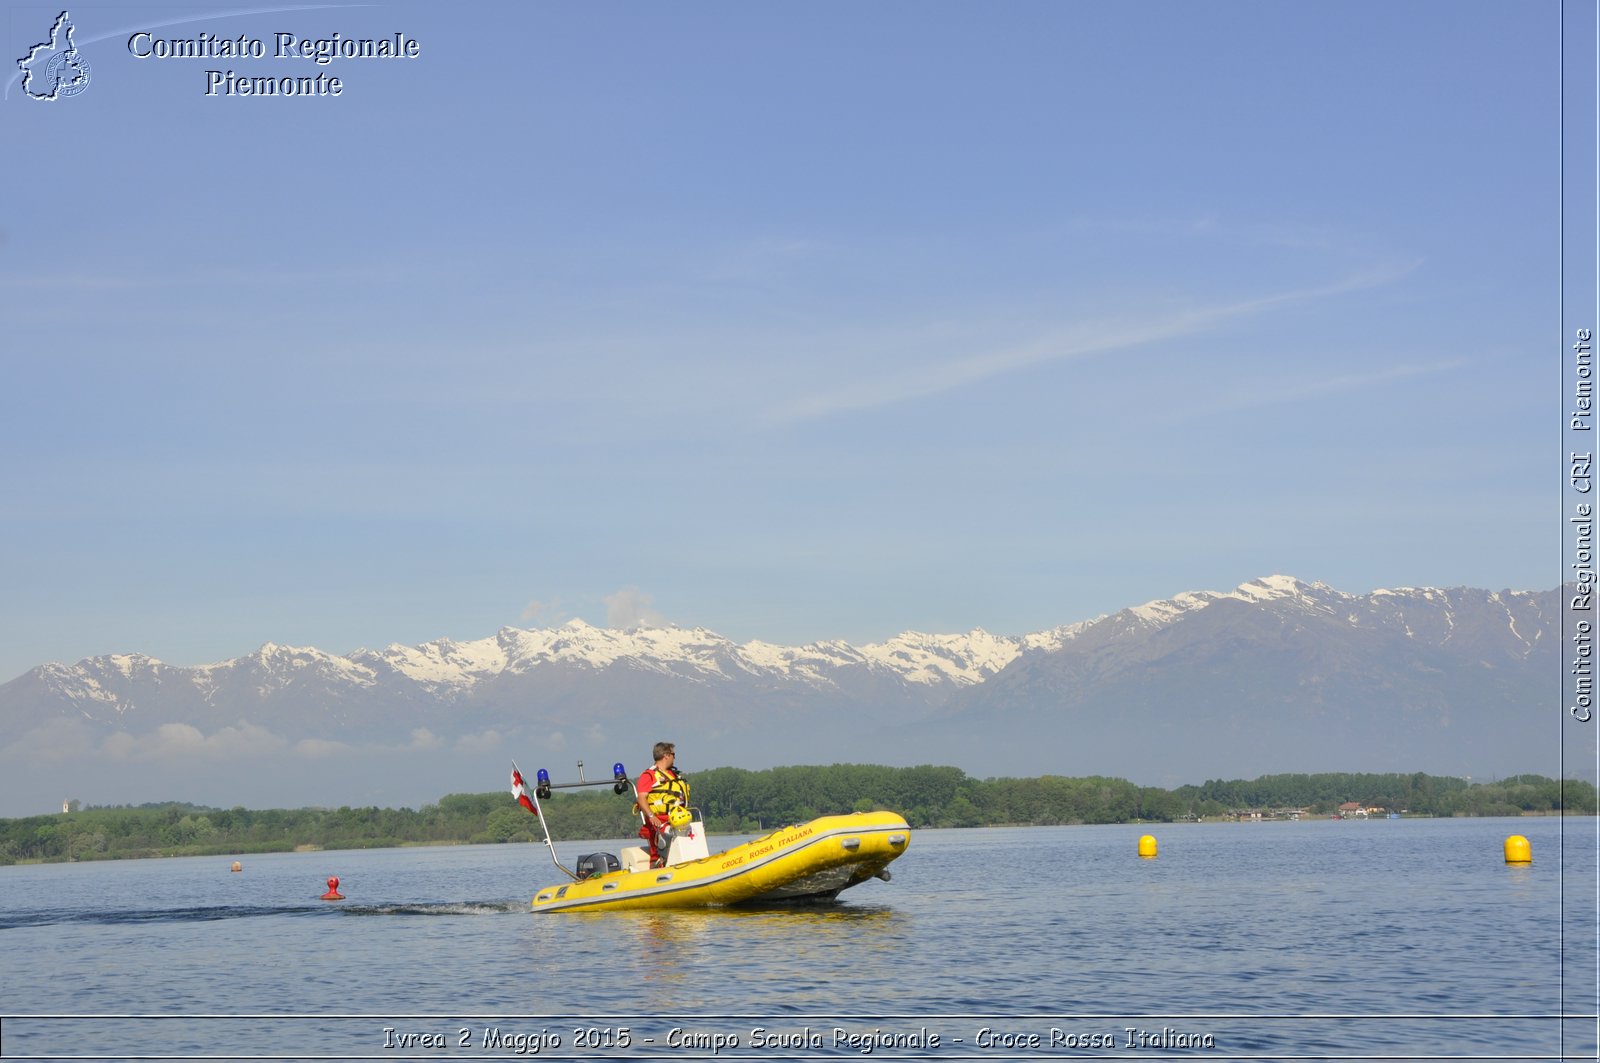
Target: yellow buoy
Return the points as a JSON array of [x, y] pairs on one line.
[[1518, 851], [1147, 846]]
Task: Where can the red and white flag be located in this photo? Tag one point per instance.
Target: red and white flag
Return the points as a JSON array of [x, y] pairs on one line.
[[519, 790]]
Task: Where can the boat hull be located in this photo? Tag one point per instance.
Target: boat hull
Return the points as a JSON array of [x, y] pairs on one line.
[[810, 862]]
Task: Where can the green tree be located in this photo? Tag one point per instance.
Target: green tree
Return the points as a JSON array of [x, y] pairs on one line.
[[508, 825]]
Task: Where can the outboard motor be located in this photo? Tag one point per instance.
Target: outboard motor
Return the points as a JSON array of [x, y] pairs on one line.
[[592, 864]]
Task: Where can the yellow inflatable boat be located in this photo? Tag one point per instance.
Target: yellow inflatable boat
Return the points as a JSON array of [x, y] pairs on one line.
[[814, 861]]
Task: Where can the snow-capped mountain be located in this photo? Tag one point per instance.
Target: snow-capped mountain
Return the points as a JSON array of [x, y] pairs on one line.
[[328, 689], [690, 653], [1280, 676], [1274, 675]]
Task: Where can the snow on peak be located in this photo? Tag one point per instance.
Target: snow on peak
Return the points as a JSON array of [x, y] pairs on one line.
[[913, 657], [446, 663], [962, 659], [294, 655], [1264, 589], [1268, 587], [1425, 593], [128, 663], [1056, 638], [442, 662]]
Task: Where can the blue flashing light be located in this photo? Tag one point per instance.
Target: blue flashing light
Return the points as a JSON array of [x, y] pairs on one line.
[[544, 777], [618, 771]]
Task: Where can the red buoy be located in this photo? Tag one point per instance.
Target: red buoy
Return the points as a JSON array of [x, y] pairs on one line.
[[333, 893]]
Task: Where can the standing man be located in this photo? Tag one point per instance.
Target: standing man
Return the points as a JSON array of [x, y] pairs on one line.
[[660, 787]]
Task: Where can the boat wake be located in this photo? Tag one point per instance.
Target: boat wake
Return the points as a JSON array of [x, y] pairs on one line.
[[125, 916], [438, 908], [121, 916]]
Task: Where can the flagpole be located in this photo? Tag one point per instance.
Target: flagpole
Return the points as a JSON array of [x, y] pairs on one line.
[[527, 798], [551, 845]]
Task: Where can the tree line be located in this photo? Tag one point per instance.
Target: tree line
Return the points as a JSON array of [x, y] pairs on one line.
[[740, 801]]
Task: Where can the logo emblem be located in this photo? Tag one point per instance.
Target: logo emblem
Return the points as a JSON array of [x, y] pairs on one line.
[[55, 68]]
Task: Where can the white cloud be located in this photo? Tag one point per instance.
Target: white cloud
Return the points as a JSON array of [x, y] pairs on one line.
[[1075, 341], [422, 738], [1254, 395], [56, 740], [632, 608], [551, 614], [484, 742], [184, 741]]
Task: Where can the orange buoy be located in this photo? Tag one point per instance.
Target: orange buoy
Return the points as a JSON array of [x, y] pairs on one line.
[[333, 893]]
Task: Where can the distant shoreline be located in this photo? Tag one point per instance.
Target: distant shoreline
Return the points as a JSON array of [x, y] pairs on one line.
[[739, 801], [445, 843]]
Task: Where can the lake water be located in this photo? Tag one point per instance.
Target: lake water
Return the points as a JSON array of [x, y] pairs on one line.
[[1325, 940]]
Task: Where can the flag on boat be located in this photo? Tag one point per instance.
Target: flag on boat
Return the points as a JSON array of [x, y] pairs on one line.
[[519, 790]]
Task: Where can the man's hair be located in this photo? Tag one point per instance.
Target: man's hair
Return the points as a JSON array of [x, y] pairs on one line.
[[661, 750]]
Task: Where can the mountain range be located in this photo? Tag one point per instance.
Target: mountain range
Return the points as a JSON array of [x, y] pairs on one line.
[[1276, 675]]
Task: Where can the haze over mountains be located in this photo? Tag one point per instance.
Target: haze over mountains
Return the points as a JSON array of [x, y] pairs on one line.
[[1276, 675]]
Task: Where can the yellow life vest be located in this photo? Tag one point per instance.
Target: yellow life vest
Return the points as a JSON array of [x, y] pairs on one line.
[[668, 790]]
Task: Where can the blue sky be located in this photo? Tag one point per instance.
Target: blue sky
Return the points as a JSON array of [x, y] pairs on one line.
[[790, 321]]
